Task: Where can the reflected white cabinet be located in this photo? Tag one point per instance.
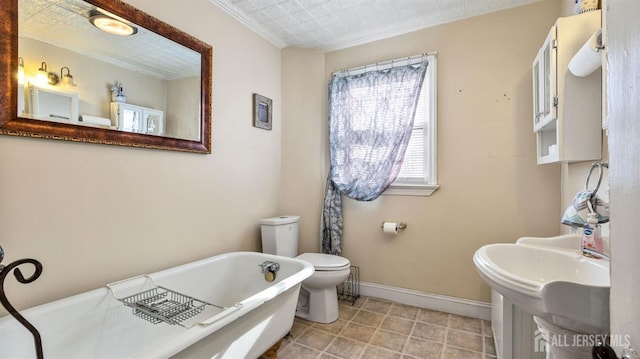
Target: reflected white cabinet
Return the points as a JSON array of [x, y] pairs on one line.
[[50, 104], [139, 119], [153, 121], [566, 109]]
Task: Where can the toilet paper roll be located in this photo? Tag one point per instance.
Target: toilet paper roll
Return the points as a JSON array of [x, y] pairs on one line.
[[390, 228], [588, 58]]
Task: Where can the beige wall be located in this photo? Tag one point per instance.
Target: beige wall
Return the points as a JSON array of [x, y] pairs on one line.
[[93, 214], [491, 188], [304, 91], [568, 7], [183, 109]]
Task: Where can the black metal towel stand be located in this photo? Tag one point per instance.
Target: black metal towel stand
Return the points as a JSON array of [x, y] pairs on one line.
[[4, 270]]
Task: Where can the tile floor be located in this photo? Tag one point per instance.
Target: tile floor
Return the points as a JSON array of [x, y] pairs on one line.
[[375, 328]]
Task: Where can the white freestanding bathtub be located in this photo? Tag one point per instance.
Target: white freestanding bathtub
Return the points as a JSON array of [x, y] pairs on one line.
[[254, 315]]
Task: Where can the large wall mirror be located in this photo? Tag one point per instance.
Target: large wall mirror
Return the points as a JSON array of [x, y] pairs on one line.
[[105, 72]]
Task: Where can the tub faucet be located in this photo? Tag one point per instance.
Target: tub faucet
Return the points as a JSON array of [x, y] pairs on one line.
[[269, 266]]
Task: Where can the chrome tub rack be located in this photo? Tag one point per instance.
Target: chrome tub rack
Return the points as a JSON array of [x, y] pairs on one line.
[[160, 304]]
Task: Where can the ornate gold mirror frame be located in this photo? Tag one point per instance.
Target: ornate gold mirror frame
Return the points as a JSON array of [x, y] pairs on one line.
[[12, 124]]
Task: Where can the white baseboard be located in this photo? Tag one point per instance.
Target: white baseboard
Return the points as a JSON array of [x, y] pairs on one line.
[[443, 303]]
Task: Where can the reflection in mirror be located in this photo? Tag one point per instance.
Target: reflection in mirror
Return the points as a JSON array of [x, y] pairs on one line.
[[149, 86], [160, 77]]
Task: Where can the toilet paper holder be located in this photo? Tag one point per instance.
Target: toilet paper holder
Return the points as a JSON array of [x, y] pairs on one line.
[[400, 225]]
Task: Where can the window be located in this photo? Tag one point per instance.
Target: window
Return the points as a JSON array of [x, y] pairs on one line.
[[418, 174]]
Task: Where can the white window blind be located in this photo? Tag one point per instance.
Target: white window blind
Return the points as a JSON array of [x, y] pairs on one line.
[[413, 168], [418, 173]]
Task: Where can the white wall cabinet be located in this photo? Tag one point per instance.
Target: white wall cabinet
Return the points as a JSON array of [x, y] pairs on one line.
[[567, 109], [133, 118]]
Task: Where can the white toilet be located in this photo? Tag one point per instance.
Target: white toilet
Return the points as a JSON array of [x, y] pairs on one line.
[[318, 300]]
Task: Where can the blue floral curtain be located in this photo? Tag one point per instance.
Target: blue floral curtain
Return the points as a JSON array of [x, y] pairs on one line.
[[370, 122]]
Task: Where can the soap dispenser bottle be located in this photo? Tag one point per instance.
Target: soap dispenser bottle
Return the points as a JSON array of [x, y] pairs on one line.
[[591, 235], [597, 232]]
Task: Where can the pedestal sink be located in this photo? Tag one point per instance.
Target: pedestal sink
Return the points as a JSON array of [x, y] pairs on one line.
[[551, 279]]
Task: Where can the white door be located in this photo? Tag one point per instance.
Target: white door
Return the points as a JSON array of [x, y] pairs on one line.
[[623, 82]]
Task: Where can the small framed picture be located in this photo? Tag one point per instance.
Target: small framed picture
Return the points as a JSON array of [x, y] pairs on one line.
[[262, 111]]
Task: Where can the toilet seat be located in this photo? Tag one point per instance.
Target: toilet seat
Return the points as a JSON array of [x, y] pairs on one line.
[[325, 262]]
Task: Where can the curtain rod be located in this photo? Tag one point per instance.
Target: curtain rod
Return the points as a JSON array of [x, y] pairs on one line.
[[382, 64]]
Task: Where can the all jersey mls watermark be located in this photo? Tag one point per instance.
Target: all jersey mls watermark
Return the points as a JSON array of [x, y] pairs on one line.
[[542, 344]]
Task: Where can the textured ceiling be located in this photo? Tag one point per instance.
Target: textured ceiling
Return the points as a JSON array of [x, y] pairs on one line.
[[335, 24], [64, 23]]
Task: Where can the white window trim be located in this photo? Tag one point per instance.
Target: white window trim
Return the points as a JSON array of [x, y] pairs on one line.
[[424, 190], [427, 189]]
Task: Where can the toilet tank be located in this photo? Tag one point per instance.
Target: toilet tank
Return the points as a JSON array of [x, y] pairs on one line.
[[280, 235]]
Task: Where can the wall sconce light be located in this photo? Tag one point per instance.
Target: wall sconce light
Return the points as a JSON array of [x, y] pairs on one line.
[[20, 71], [110, 25], [67, 80], [42, 77]]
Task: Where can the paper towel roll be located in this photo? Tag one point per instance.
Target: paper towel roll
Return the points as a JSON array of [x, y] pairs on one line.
[[588, 58], [390, 228]]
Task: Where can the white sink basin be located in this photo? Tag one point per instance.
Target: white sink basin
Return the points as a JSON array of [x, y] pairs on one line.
[[550, 279]]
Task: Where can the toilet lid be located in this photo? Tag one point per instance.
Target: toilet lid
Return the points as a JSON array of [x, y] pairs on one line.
[[323, 261]]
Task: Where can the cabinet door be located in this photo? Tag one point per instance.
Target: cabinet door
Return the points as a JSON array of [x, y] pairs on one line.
[[153, 121], [545, 84], [537, 89], [129, 116]]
